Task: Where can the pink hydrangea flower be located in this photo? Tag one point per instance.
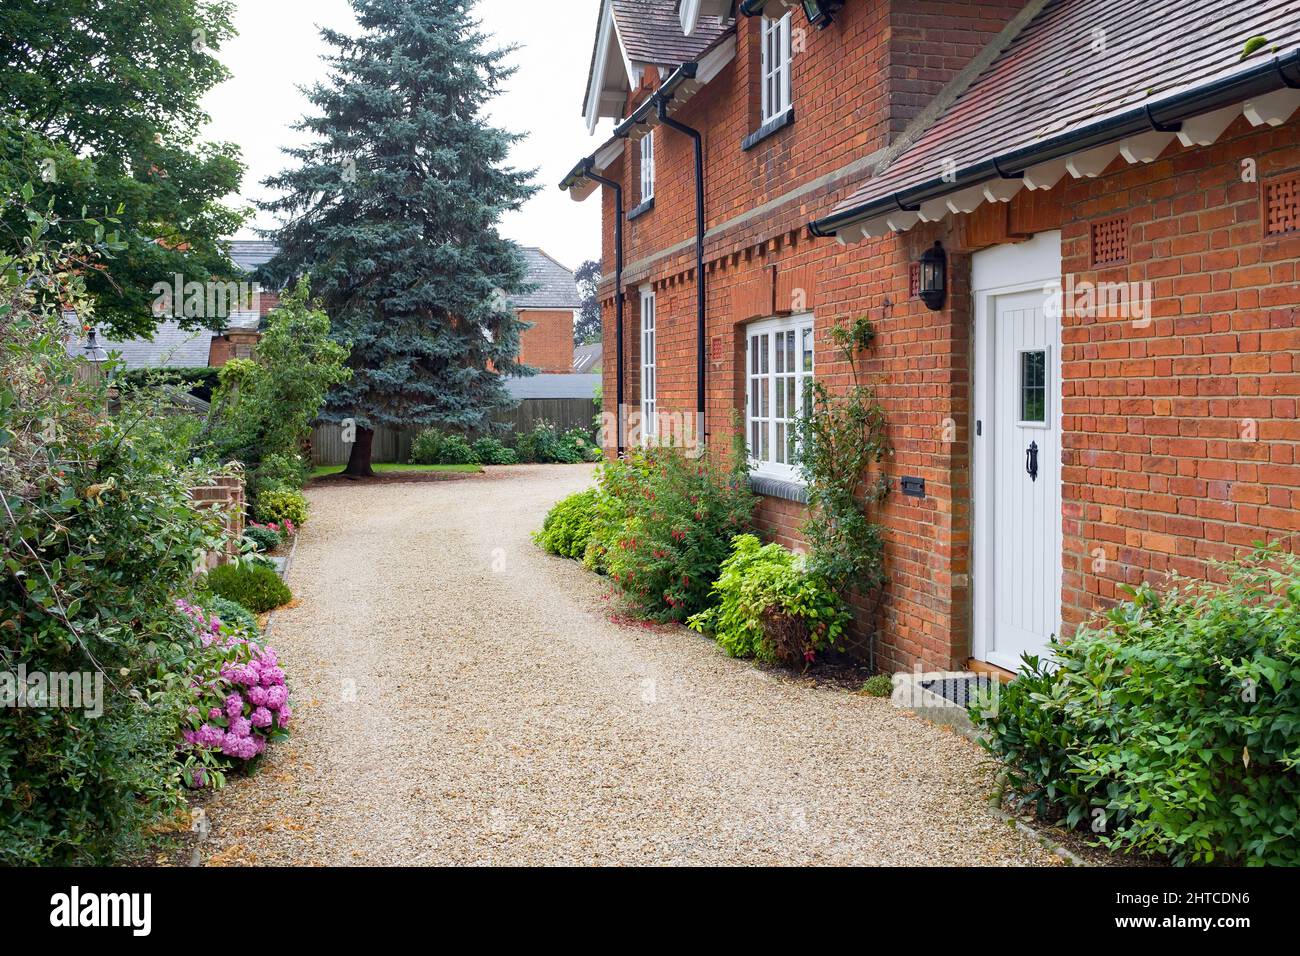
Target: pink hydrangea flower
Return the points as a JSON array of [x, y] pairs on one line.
[[261, 717]]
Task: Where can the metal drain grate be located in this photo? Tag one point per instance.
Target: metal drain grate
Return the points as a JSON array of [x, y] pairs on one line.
[[960, 690]]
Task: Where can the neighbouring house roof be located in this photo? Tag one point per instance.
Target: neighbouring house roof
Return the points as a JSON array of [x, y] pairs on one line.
[[552, 386], [588, 357], [249, 254], [555, 285], [171, 347], [632, 35], [1082, 82]]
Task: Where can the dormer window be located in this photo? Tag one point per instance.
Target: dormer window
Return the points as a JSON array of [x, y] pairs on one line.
[[776, 67], [648, 166]]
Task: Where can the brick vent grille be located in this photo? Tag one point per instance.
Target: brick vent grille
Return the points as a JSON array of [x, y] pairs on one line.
[[1110, 241], [1282, 206], [914, 280]]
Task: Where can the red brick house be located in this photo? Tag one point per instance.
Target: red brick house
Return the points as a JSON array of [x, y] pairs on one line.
[[1105, 389]]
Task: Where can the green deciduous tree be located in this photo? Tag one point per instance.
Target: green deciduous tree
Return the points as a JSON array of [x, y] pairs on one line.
[[394, 208], [99, 109]]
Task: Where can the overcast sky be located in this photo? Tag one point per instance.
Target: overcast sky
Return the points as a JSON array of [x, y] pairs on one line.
[[279, 48]]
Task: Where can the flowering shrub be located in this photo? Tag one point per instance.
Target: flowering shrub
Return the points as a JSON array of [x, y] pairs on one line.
[[264, 537], [546, 444], [678, 515], [770, 606], [239, 700]]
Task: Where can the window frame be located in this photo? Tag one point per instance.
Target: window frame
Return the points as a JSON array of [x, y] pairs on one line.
[[771, 378], [1046, 421], [775, 76], [649, 368], [647, 165]]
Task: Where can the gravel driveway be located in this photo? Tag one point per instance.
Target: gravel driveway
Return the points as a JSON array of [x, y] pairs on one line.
[[461, 697]]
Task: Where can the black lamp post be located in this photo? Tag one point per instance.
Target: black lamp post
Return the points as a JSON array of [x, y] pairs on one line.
[[933, 283], [94, 354]]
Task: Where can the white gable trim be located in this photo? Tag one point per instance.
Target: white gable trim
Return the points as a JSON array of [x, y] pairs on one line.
[[690, 12], [607, 90]]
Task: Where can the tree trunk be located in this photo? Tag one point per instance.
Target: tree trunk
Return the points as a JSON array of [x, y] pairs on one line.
[[359, 459]]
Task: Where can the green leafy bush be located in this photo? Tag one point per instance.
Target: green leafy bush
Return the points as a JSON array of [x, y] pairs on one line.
[[1173, 726], [879, 685], [770, 607], [426, 449], [255, 586], [433, 447], [492, 451], [98, 539], [280, 471], [263, 538], [675, 517], [200, 381], [238, 617], [281, 505], [569, 525], [546, 444]]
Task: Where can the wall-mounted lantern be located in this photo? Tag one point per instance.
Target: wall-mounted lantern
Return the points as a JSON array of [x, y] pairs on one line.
[[819, 12], [933, 285]]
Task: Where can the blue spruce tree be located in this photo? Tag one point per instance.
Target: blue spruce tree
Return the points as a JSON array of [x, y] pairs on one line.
[[393, 210]]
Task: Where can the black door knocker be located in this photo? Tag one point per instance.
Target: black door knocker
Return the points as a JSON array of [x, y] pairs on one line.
[[1031, 460]]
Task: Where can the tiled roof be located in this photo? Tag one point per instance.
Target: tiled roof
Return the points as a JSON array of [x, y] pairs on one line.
[[552, 386], [171, 347], [1053, 79], [556, 288], [248, 254], [651, 31], [587, 358]]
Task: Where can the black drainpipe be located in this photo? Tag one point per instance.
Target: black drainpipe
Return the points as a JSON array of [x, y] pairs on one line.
[[694, 134], [618, 290]]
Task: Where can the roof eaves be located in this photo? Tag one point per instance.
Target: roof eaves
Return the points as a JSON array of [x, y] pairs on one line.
[[1281, 71]]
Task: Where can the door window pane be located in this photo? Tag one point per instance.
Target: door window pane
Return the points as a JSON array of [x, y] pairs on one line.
[[1033, 386]]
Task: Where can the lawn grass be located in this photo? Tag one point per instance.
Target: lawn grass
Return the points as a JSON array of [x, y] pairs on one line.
[[322, 471]]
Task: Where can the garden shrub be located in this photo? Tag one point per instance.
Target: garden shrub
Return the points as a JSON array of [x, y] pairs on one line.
[[569, 525], [770, 607], [879, 685], [433, 447], [263, 537], [279, 472], [678, 515], [426, 448], [255, 586], [1172, 726], [546, 445], [280, 507], [492, 451], [97, 538], [236, 615], [238, 700]]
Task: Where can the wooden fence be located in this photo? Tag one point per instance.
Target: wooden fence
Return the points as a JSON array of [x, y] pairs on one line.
[[394, 445]]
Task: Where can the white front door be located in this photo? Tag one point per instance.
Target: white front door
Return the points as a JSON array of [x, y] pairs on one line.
[[1018, 450]]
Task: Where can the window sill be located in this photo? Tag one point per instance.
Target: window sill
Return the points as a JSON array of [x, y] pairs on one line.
[[641, 209], [782, 488], [770, 128]]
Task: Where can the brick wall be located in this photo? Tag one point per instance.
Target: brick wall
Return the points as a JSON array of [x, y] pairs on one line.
[[548, 345], [225, 493], [1180, 439]]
